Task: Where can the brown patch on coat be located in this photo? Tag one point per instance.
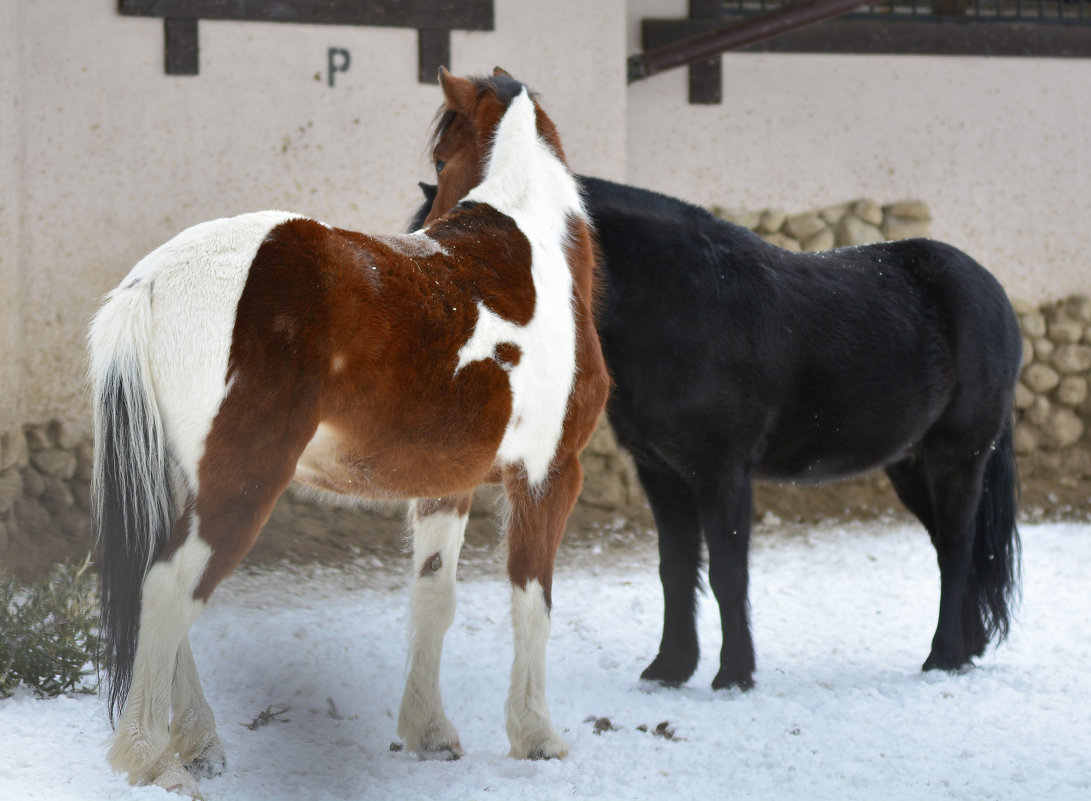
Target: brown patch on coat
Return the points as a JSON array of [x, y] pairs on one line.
[[507, 354], [452, 504]]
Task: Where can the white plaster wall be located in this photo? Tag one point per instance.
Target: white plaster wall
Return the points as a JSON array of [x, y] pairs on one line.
[[113, 157], [997, 147], [10, 290]]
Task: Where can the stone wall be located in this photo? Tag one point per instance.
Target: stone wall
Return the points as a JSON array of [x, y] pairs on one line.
[[1052, 399]]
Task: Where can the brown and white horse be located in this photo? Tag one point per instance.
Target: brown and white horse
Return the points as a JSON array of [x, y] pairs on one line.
[[249, 351]]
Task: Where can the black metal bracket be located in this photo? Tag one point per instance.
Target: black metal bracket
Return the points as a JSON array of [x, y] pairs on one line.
[[433, 19]]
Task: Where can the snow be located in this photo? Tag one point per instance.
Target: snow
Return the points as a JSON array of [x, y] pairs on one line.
[[842, 619]]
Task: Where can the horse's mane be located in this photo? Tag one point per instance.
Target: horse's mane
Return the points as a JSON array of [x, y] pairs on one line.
[[503, 86]]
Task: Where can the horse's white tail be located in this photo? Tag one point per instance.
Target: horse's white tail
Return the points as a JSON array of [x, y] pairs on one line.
[[132, 503]]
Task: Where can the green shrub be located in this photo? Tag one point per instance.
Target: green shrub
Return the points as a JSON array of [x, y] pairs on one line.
[[49, 632]]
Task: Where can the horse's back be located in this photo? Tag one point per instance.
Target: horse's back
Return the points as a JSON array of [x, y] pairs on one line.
[[805, 366]]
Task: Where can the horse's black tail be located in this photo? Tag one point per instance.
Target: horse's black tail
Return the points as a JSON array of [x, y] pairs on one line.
[[132, 505], [997, 550]]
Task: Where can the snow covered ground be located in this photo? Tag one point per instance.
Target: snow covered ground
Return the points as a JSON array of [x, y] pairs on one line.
[[842, 619]]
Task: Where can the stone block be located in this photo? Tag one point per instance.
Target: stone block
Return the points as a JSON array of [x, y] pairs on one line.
[[1028, 351], [1024, 398], [1038, 414], [1072, 391], [13, 450], [1072, 358], [854, 231], [1078, 307], [1022, 307], [1033, 325], [833, 214], [1025, 439], [11, 489], [85, 461], [1043, 349], [1064, 331], [1062, 430], [869, 211], [910, 210], [822, 240], [904, 228], [770, 221], [802, 226], [55, 462], [56, 496], [603, 440], [33, 483], [38, 438], [70, 435], [1040, 378]]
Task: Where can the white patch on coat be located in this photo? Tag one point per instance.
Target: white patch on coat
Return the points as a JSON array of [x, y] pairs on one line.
[[193, 284], [533, 187]]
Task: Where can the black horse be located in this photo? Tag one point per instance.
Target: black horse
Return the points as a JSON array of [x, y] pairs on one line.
[[734, 359]]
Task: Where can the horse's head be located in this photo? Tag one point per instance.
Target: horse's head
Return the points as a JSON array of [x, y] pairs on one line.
[[464, 131]]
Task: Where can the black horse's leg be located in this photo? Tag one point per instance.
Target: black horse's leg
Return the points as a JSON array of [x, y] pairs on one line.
[[960, 633], [725, 509], [911, 486], [675, 511]]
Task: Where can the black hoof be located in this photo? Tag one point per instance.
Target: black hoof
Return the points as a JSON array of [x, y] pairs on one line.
[[947, 661], [669, 673], [727, 681]]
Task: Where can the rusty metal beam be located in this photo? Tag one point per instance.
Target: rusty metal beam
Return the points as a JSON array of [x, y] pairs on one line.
[[735, 35]]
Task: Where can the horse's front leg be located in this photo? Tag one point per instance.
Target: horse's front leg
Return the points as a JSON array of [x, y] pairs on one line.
[[538, 517], [725, 507], [675, 511], [439, 526]]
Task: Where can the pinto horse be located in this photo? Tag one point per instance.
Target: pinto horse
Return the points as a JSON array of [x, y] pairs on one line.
[[250, 351], [733, 359]]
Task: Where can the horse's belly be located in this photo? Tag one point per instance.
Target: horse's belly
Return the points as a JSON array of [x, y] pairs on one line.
[[335, 462]]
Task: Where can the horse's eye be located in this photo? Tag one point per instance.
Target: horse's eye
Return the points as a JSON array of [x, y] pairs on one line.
[[440, 165]]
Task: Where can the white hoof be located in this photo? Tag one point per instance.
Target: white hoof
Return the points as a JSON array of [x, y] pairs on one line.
[[552, 747], [174, 778], [210, 762], [438, 739]]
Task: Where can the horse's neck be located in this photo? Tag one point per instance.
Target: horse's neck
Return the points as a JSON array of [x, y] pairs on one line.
[[525, 179]]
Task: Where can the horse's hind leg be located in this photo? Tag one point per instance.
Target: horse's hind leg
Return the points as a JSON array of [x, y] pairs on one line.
[[943, 492], [675, 511], [439, 526], [538, 517], [193, 724], [168, 609], [725, 507]]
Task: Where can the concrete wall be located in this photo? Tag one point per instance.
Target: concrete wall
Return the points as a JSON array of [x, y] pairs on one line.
[[108, 157], [11, 345], [996, 146]]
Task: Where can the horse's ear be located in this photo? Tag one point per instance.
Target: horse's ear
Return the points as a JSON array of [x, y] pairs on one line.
[[500, 72], [458, 92], [428, 190]]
